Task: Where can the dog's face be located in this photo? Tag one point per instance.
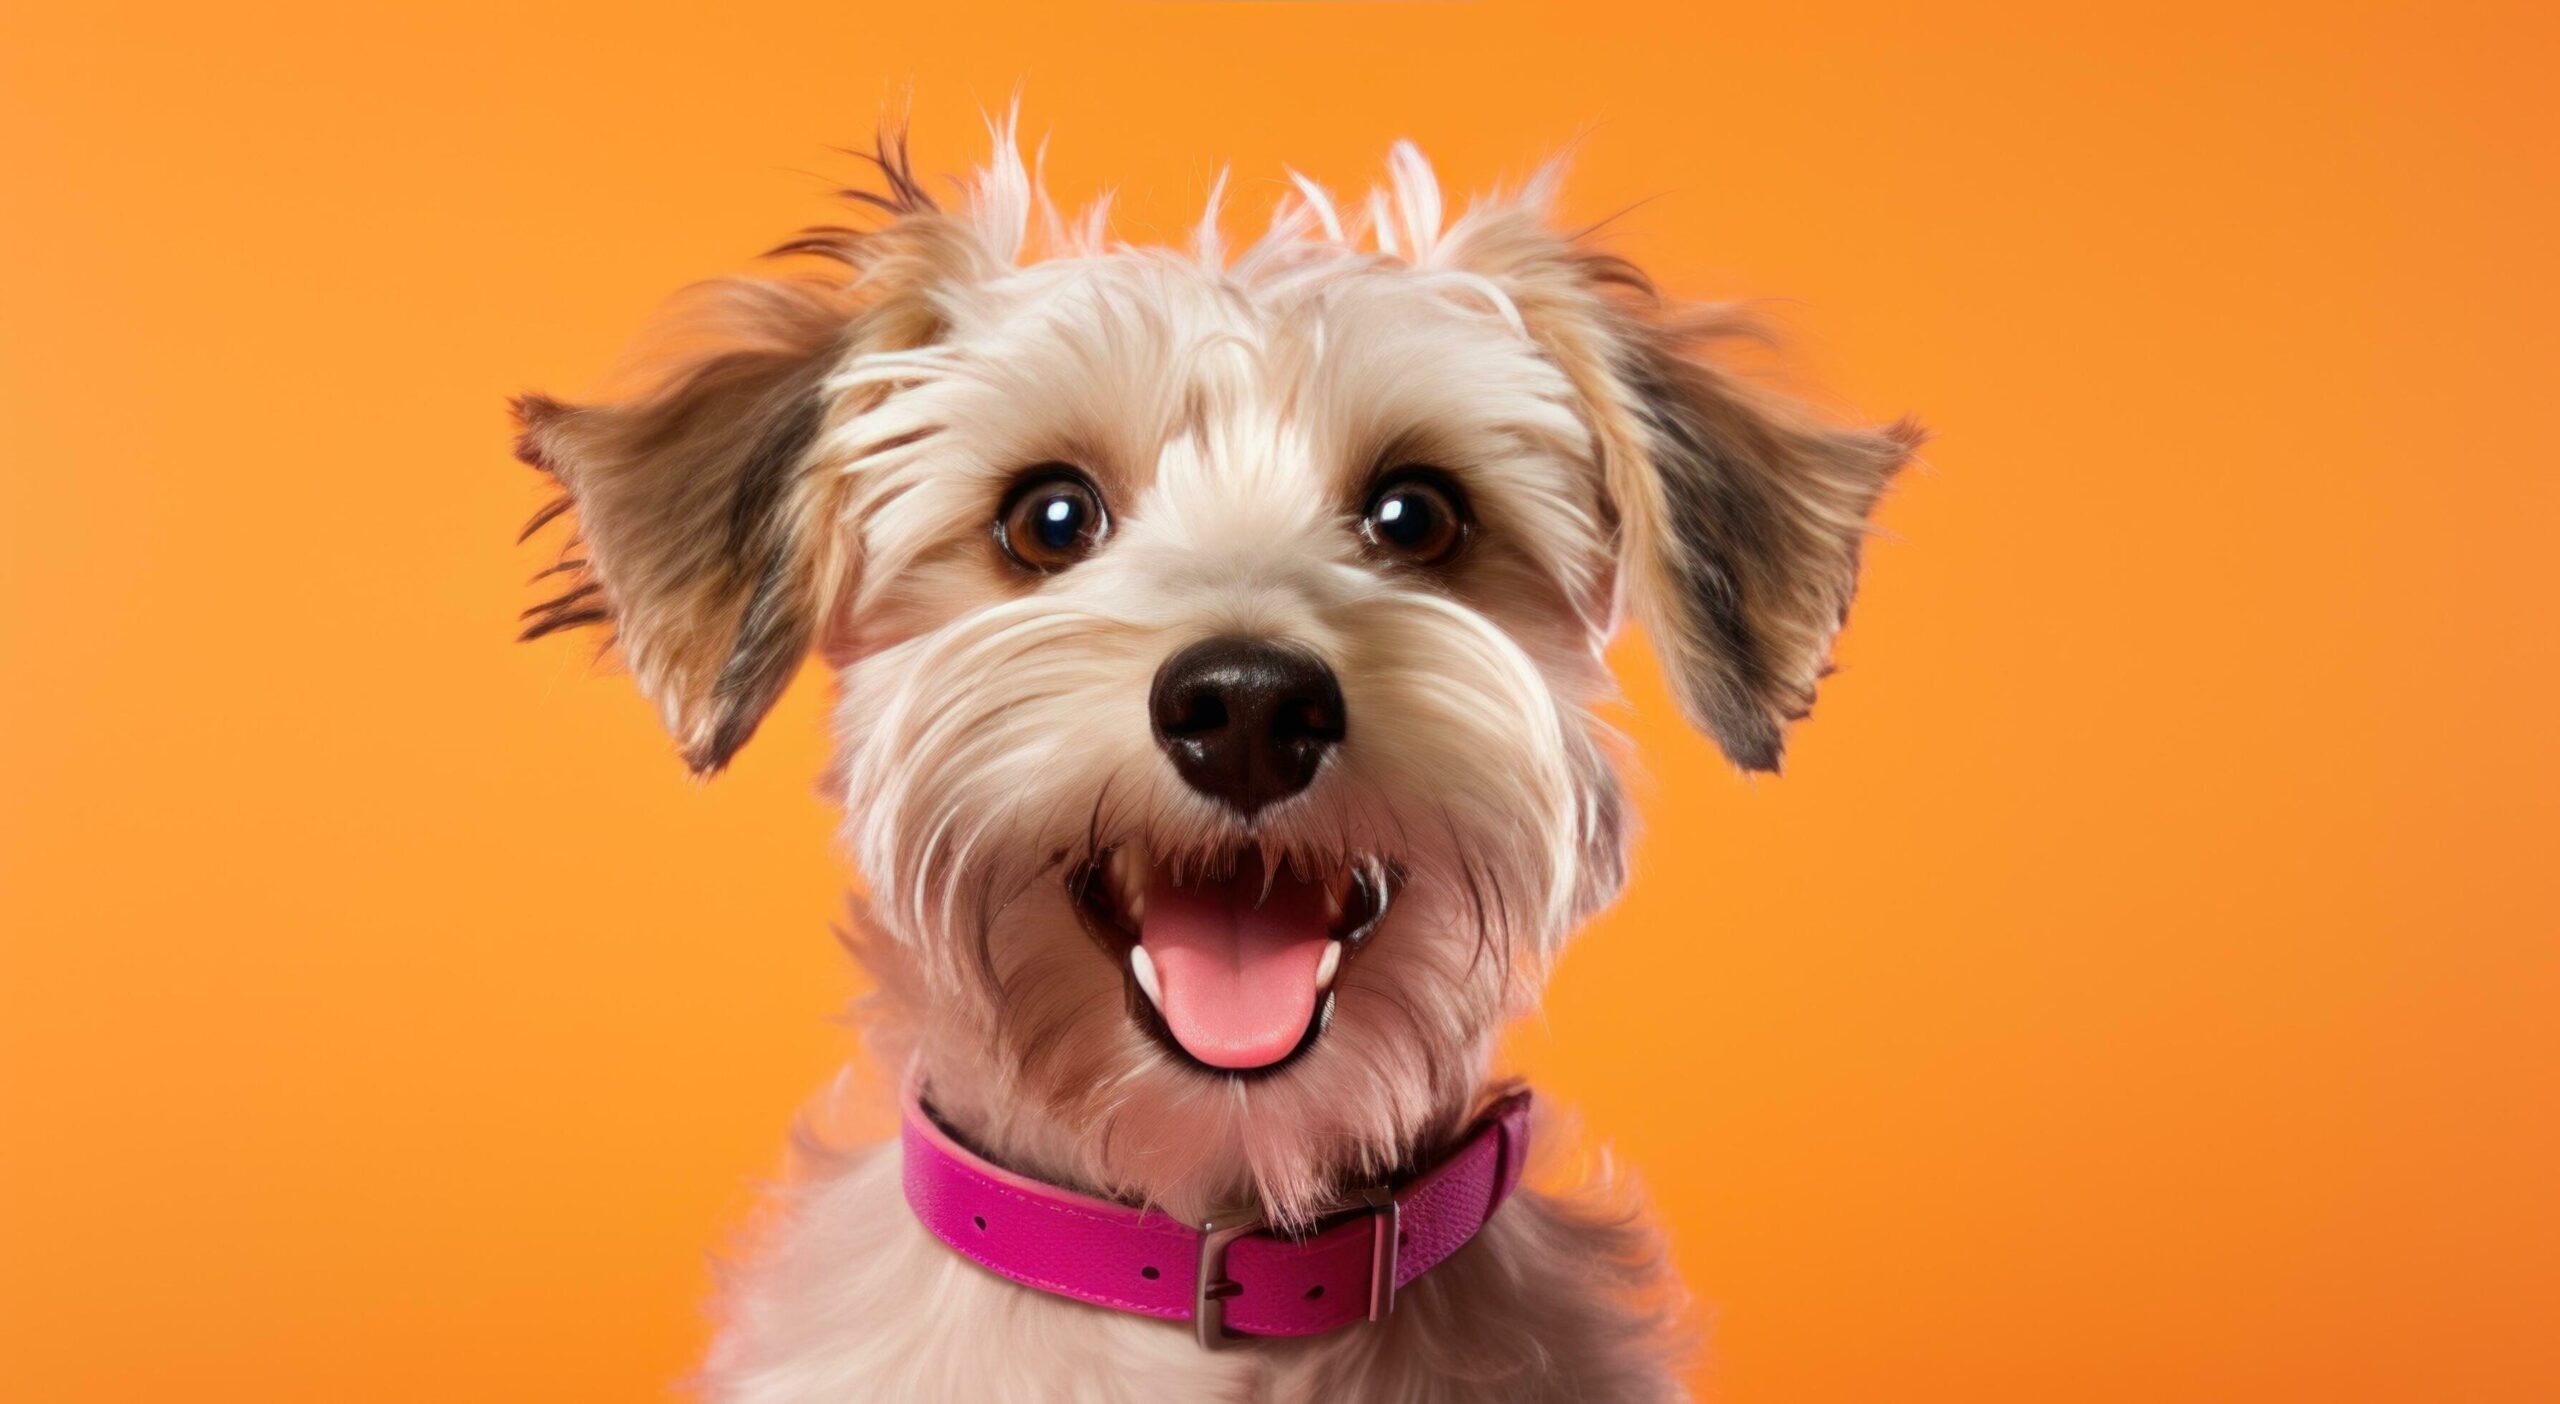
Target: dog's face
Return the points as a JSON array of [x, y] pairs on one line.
[[1219, 639]]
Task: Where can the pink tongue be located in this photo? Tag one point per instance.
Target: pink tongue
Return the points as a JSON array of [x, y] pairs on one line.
[[1239, 980]]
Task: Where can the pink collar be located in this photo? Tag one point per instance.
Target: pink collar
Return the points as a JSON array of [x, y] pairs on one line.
[[1228, 1277]]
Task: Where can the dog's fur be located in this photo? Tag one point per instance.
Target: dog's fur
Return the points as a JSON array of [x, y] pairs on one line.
[[818, 472]]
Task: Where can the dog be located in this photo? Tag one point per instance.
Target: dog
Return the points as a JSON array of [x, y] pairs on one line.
[[1219, 634]]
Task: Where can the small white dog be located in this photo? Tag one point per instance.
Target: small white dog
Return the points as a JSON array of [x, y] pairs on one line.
[[1219, 638]]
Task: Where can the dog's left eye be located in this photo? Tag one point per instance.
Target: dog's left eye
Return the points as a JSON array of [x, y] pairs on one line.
[[1052, 519], [1416, 514]]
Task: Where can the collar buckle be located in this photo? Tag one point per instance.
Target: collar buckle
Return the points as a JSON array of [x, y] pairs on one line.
[[1209, 1297], [1386, 1237], [1219, 1232]]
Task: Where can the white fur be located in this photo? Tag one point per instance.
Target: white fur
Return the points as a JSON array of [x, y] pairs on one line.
[[1235, 408]]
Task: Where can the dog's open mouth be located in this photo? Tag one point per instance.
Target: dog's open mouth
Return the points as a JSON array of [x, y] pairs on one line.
[[1232, 963]]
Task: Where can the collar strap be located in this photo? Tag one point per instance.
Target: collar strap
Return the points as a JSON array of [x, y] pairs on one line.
[[1230, 1276]]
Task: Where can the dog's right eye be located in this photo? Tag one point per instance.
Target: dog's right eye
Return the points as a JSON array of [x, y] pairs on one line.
[[1052, 519], [1417, 515]]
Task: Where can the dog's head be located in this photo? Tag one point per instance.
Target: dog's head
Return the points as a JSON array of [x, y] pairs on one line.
[[1219, 636]]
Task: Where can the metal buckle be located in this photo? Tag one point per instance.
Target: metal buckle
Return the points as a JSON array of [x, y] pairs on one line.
[[1211, 1285], [1386, 1237]]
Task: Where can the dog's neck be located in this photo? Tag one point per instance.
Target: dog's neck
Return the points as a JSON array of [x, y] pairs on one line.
[[977, 1100], [984, 1107]]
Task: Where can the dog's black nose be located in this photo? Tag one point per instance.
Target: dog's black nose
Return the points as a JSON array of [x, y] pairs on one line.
[[1246, 722]]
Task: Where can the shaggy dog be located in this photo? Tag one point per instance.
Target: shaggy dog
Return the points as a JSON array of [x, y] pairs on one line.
[[1219, 636]]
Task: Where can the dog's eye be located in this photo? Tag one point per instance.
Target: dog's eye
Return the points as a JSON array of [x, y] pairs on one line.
[[1052, 519], [1417, 515]]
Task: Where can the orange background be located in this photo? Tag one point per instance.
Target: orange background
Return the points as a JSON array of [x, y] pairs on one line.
[[2143, 985]]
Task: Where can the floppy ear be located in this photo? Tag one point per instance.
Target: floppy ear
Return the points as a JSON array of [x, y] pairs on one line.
[[1741, 514], [706, 528], [709, 515], [1738, 512]]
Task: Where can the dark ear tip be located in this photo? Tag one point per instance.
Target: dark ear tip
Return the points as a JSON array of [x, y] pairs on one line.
[[711, 755], [1759, 758], [535, 414], [1752, 739], [532, 411]]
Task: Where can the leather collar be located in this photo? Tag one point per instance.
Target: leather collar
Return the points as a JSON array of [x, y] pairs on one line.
[[1232, 1275]]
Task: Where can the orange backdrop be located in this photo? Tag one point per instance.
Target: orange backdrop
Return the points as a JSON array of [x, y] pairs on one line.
[[2142, 986]]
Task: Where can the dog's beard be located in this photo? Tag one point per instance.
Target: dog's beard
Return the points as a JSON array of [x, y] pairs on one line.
[[1162, 1002]]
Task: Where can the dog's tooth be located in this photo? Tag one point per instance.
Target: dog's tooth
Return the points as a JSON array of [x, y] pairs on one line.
[[1329, 966], [1145, 969]]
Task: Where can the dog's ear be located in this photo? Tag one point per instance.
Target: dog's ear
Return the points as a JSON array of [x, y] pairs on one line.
[[710, 537], [1740, 515], [706, 531]]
